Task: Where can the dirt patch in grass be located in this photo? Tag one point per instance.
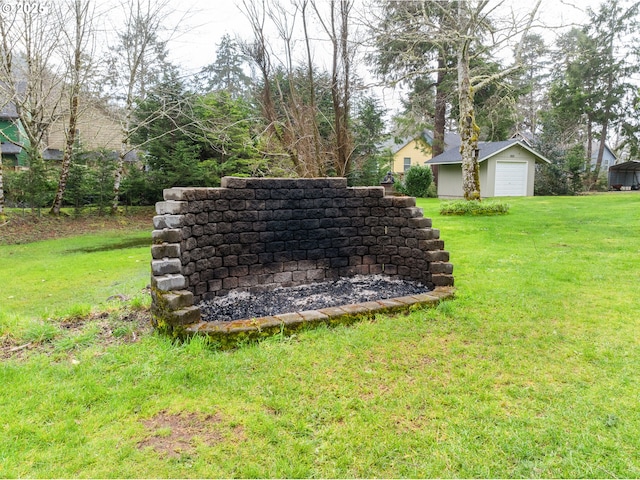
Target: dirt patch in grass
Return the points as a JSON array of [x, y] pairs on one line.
[[126, 327], [18, 227], [174, 435], [113, 328]]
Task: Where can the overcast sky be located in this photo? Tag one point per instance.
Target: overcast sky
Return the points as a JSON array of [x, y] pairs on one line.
[[207, 21]]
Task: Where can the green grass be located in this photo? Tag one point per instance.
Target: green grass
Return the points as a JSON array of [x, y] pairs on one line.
[[53, 277], [532, 371]]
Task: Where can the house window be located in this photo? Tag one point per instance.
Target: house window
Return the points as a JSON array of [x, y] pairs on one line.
[[407, 163]]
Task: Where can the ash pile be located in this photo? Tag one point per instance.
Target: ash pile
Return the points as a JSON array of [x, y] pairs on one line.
[[344, 291]]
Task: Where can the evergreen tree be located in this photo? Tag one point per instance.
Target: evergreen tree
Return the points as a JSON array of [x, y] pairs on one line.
[[591, 92], [423, 62], [369, 164], [532, 84], [227, 71]]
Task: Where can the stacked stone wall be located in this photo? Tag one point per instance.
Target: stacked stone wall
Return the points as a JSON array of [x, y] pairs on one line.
[[255, 234]]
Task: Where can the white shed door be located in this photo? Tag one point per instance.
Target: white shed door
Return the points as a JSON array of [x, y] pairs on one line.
[[511, 179]]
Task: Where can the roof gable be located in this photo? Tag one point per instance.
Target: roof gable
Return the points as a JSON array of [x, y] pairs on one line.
[[451, 140], [608, 153], [630, 166], [486, 151]]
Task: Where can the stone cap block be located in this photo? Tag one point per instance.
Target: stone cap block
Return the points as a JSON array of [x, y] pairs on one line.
[[427, 233], [175, 193], [165, 250], [233, 182], [419, 222], [185, 193], [437, 256], [411, 212], [169, 282], [442, 280], [171, 207], [184, 316], [165, 266], [377, 192], [441, 267], [169, 235], [404, 201], [337, 182], [179, 299], [168, 221]]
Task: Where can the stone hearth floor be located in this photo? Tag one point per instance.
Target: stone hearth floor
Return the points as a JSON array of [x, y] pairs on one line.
[[289, 322]]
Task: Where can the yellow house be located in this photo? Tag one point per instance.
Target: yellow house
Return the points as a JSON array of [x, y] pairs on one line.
[[413, 151], [409, 153]]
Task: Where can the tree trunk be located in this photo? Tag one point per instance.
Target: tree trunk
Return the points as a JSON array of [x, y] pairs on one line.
[[68, 153], [605, 128], [605, 125], [440, 117], [117, 180], [340, 87], [124, 149], [81, 11], [312, 92], [1, 185], [589, 143], [440, 108], [469, 131], [346, 145]]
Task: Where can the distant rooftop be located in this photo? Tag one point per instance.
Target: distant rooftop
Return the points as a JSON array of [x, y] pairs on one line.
[[9, 148], [485, 150]]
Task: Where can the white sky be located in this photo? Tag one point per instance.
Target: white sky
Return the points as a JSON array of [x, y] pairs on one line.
[[207, 21]]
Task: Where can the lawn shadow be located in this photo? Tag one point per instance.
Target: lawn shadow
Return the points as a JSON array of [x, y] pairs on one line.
[[131, 243]]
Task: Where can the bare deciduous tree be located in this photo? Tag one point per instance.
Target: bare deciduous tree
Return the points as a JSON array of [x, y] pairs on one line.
[[337, 29], [292, 83], [1, 186], [30, 76], [290, 122], [76, 20], [137, 59], [3, 104]]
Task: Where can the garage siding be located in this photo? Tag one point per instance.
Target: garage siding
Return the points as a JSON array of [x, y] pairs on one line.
[[450, 175], [450, 180]]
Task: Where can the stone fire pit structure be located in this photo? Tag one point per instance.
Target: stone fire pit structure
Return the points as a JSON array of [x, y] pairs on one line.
[[257, 234]]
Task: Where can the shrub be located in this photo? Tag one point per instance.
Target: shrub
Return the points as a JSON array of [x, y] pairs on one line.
[[473, 207], [34, 188], [564, 176], [417, 181]]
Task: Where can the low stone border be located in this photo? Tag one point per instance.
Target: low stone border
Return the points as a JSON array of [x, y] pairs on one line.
[[230, 334]]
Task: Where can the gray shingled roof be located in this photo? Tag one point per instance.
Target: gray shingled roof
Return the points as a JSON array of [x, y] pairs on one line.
[[52, 154], [486, 150], [9, 111], [630, 166], [451, 139], [10, 148]]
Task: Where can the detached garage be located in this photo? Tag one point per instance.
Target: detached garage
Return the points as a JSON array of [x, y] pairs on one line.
[[507, 169], [625, 176]]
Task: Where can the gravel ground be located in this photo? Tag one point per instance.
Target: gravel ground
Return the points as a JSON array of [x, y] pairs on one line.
[[345, 291]]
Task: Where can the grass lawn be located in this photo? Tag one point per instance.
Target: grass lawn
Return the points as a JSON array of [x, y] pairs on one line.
[[531, 371]]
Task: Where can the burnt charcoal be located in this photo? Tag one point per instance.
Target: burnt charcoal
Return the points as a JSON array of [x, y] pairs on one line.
[[344, 291]]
